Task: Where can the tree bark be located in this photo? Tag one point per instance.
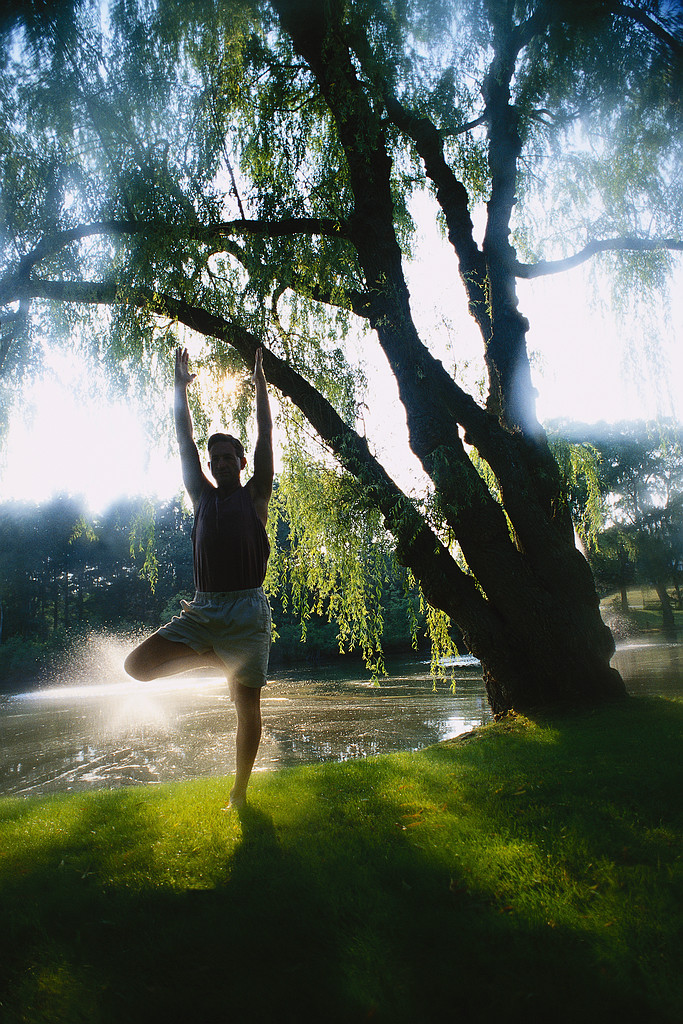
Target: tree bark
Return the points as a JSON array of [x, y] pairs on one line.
[[668, 621]]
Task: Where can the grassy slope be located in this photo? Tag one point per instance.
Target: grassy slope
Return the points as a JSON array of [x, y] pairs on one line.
[[533, 871]]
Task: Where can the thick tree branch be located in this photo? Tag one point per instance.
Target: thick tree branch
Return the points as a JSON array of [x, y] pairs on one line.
[[637, 14], [454, 201], [189, 232], [626, 244], [546, 13], [417, 546], [536, 24], [434, 404]]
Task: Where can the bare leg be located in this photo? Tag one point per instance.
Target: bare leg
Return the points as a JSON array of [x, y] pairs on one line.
[[156, 657], [248, 706]]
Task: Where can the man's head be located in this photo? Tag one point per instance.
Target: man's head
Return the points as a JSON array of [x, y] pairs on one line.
[[234, 441], [226, 458]]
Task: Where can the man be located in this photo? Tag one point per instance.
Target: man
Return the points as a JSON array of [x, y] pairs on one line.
[[228, 622]]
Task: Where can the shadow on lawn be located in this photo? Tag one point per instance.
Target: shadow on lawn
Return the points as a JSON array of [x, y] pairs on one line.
[[343, 913], [246, 950], [575, 798]]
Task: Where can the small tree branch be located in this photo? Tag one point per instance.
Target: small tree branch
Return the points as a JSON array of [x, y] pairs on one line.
[[463, 128], [545, 267], [52, 244], [10, 326], [210, 234], [357, 301], [235, 190]]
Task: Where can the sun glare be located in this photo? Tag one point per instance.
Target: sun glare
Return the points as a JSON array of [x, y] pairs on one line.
[[58, 444]]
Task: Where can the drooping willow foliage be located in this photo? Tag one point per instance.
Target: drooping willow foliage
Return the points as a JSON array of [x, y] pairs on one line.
[[580, 466], [332, 556]]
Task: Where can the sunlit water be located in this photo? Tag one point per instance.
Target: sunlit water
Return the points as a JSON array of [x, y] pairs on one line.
[[99, 729]]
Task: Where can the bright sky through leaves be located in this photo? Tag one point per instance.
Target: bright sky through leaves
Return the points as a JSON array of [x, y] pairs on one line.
[[63, 442], [69, 438]]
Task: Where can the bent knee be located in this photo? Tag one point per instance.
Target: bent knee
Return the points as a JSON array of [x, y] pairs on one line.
[[140, 667], [133, 666]]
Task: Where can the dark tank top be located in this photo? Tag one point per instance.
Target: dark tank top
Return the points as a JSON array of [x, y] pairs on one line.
[[229, 541]]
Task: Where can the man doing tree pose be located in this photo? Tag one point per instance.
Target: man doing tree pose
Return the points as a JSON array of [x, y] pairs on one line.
[[228, 622]]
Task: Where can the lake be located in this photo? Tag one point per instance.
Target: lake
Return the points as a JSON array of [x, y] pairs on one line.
[[97, 728]]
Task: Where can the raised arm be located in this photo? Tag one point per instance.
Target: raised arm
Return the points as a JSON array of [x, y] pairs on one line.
[[193, 478], [261, 483]]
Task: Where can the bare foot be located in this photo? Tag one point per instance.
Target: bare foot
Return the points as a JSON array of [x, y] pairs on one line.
[[237, 800]]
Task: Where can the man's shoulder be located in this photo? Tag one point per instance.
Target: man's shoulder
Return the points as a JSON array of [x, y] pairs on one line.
[[251, 489]]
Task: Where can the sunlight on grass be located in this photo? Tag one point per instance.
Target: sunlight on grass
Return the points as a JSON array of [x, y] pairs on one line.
[[550, 849]]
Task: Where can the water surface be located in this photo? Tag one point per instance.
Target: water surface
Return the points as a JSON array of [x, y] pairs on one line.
[[99, 729], [87, 733], [651, 667]]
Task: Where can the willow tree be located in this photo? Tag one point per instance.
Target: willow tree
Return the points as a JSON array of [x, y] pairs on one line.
[[244, 169]]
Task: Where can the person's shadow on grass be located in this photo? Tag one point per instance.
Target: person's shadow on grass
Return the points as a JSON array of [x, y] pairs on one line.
[[257, 826]]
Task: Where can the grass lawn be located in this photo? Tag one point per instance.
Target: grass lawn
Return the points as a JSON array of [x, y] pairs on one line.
[[644, 612], [532, 871]]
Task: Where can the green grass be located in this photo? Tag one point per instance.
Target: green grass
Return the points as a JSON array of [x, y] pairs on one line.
[[645, 610], [649, 620], [531, 872]]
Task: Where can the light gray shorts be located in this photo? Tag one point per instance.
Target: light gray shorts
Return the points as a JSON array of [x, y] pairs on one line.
[[236, 625]]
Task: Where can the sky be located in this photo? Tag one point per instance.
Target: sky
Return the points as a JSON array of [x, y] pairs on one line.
[[583, 367]]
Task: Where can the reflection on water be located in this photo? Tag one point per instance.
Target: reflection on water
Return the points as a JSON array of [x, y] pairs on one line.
[[334, 719], [85, 734]]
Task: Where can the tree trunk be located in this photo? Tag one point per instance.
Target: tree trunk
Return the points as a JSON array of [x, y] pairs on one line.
[[55, 605], [80, 589], [668, 622], [543, 645], [562, 658], [532, 617], [67, 608]]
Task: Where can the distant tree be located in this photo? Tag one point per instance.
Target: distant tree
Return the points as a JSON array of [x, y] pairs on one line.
[[43, 565], [16, 593], [640, 469], [244, 169], [62, 568]]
